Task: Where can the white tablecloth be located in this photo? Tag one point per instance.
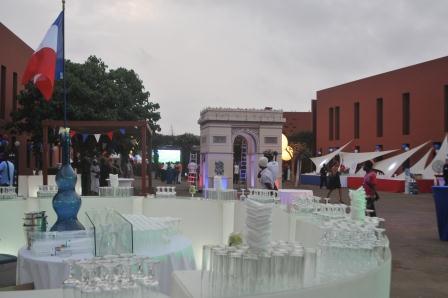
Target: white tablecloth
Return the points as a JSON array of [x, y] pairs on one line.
[[288, 195], [50, 272]]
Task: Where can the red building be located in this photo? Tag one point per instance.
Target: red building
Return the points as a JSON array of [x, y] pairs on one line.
[[297, 122], [14, 55], [404, 107]]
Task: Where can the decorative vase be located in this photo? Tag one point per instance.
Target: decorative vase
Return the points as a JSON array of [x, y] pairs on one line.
[[66, 202]]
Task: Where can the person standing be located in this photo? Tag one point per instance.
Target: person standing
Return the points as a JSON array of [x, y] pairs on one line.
[[94, 176], [265, 175], [445, 172], [334, 181], [6, 171], [236, 173], [323, 176], [369, 184], [105, 170]]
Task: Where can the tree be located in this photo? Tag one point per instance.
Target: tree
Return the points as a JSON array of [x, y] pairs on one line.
[[302, 144], [93, 93]]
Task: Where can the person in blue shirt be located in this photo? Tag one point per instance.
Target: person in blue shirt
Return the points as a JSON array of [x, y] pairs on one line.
[[6, 171]]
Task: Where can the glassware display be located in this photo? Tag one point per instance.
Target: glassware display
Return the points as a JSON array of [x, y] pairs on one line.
[[152, 232], [65, 243], [113, 233], [45, 191], [232, 271], [113, 276], [8, 192], [263, 195]]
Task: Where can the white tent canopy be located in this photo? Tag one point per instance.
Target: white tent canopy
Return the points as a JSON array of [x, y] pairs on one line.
[[350, 160], [389, 166], [319, 161], [428, 173], [419, 166]]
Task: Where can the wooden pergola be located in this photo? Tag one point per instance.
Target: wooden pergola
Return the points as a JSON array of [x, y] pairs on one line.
[[102, 127]]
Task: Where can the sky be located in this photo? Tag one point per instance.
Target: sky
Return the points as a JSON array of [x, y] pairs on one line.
[[193, 54]]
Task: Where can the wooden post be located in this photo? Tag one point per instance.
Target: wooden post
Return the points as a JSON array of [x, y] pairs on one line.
[[150, 163], [45, 155], [144, 169]]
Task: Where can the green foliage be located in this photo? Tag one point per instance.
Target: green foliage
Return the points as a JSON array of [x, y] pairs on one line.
[[93, 92]]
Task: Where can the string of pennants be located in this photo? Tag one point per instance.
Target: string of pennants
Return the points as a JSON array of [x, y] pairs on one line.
[[85, 136]]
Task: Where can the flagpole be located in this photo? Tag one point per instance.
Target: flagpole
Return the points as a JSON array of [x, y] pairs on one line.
[[66, 154]]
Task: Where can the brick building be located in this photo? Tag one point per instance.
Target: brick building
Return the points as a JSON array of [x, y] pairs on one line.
[[14, 55], [297, 122], [397, 109]]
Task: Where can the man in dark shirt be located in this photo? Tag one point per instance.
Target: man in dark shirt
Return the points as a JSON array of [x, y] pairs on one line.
[[445, 172], [323, 176]]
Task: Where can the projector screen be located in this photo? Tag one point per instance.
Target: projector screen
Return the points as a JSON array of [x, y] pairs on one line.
[[169, 155]]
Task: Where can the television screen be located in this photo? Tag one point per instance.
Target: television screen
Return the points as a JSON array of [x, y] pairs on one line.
[[169, 155]]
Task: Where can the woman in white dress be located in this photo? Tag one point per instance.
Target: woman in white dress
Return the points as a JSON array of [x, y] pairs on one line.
[[94, 176]]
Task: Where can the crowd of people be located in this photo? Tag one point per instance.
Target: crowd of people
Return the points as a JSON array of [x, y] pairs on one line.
[[95, 171], [170, 172]]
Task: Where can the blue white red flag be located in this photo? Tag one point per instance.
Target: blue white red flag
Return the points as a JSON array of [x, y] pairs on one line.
[[46, 64]]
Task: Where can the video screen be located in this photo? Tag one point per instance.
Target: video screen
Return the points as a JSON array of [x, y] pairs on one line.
[[169, 155]]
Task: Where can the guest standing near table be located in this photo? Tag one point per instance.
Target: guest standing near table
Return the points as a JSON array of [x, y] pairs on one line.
[[445, 172], [94, 176], [334, 181], [236, 173], [265, 175], [369, 185], [6, 171], [323, 176]]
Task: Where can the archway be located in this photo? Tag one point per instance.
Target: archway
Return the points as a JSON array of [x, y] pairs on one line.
[[245, 156]]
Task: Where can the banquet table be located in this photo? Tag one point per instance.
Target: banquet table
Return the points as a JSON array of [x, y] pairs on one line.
[[50, 272], [53, 293], [371, 284], [287, 196]]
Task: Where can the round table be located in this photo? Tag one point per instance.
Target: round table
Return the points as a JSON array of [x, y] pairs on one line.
[[50, 272]]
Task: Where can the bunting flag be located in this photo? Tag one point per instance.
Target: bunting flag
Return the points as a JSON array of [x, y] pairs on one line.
[[122, 131], [72, 133], [84, 137], [110, 134], [97, 137]]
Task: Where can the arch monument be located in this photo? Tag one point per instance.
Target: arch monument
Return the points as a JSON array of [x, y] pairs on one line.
[[259, 130]]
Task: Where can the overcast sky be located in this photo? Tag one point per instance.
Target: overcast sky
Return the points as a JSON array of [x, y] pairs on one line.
[[192, 54]]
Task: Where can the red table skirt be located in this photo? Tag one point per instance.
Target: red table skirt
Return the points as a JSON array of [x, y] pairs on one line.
[[390, 185]]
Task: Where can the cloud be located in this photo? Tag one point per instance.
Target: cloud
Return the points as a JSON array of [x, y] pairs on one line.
[[245, 53]]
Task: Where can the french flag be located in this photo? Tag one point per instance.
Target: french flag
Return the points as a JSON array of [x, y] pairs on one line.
[[47, 63]]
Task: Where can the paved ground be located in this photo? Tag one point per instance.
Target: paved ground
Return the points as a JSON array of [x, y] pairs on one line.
[[419, 259]]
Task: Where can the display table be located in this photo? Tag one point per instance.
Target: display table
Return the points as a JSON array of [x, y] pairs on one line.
[[29, 185], [123, 182], [53, 293], [50, 272], [440, 194], [287, 196], [372, 284]]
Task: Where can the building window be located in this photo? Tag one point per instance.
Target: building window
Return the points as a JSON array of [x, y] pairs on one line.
[[14, 91], [330, 127], [446, 108], [336, 123], [379, 117], [356, 124], [2, 91], [406, 113], [219, 139], [270, 140]]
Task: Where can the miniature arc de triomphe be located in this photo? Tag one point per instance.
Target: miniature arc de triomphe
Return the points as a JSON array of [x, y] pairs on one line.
[[261, 130]]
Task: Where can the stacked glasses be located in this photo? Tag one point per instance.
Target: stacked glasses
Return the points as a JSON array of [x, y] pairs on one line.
[[353, 245], [232, 271], [113, 276]]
